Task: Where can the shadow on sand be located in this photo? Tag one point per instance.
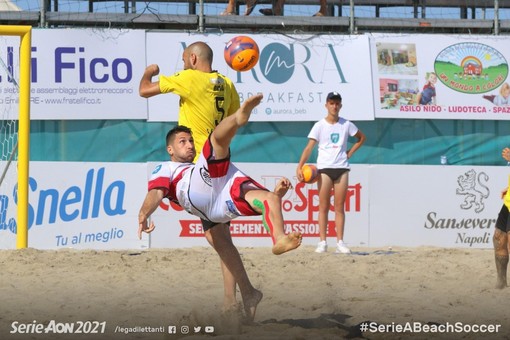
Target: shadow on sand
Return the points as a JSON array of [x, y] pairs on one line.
[[323, 321]]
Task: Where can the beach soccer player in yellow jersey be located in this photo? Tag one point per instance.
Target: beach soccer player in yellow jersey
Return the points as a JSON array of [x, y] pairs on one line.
[[206, 95], [500, 239]]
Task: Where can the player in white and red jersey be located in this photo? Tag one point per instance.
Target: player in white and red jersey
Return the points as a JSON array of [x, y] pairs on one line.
[[216, 191]]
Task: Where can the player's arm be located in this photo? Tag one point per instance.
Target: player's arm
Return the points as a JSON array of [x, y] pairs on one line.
[[149, 205], [360, 136], [307, 151], [148, 88]]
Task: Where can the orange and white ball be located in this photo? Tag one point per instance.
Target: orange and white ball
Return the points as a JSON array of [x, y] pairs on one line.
[[241, 53], [310, 173]]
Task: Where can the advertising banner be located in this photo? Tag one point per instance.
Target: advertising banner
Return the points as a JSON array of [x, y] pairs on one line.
[[80, 206], [96, 205], [95, 74], [441, 76], [295, 73], [177, 228], [79, 73], [443, 206]]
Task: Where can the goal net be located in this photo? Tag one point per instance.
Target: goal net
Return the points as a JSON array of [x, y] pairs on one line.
[[15, 50]]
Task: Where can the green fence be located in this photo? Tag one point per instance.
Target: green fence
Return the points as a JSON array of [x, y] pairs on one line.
[[389, 141]]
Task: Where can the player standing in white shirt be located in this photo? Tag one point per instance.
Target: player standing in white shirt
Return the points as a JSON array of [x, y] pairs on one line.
[[331, 135]]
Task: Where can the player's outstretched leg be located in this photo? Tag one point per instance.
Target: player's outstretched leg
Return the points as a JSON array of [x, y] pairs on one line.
[[227, 128]]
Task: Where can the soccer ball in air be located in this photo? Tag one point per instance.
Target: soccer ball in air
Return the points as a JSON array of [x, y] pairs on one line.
[[241, 53]]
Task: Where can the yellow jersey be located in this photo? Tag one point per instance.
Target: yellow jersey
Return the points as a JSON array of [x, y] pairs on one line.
[[506, 199], [206, 98]]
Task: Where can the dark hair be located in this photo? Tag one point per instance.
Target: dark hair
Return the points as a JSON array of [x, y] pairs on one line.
[[171, 134]]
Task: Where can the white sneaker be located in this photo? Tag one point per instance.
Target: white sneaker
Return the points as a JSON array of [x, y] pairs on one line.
[[341, 248], [322, 247]]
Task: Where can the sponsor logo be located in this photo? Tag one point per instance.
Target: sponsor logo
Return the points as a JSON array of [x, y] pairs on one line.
[[470, 231], [232, 211], [471, 67], [472, 187], [93, 198], [279, 62], [303, 199], [204, 173], [71, 63], [156, 169]]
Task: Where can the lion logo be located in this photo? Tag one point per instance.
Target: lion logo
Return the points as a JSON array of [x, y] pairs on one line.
[[474, 189]]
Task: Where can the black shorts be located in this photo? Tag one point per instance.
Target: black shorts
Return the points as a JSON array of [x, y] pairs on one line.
[[502, 221], [334, 174], [206, 224]]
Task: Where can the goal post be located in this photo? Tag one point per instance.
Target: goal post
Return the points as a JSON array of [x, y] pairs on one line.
[[25, 50]]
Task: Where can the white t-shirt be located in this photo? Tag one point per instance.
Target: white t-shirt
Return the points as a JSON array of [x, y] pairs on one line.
[[332, 142]]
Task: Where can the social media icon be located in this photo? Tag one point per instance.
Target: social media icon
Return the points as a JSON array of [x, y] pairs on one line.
[[172, 329], [184, 329], [197, 329], [209, 329]]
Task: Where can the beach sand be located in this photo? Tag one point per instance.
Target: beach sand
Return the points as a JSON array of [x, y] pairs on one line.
[[306, 295]]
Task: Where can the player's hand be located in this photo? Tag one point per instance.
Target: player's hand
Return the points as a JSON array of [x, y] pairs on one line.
[[503, 193], [282, 186], [142, 227], [506, 154], [299, 174]]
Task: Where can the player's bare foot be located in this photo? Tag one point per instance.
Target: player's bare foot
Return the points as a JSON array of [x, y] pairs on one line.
[[250, 305], [244, 112], [287, 242], [282, 187], [501, 283]]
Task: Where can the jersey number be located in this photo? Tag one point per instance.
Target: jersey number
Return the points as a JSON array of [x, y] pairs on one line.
[[219, 108]]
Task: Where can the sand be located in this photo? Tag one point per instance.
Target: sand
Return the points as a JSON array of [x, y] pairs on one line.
[[306, 295]]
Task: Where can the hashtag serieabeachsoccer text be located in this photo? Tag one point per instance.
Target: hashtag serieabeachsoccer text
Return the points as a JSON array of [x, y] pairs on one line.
[[419, 327]]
